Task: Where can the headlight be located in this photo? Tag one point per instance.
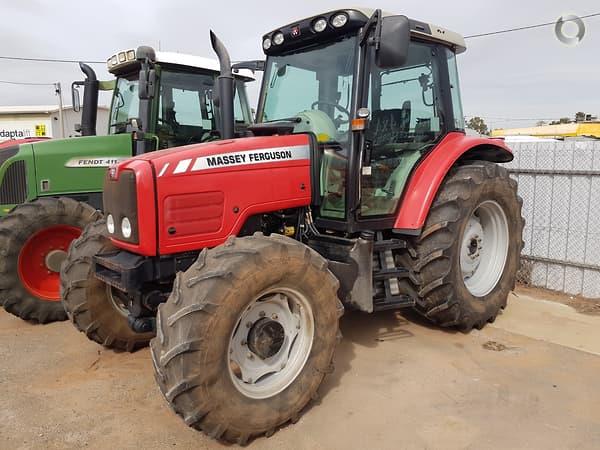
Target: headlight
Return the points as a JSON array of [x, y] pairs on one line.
[[126, 228], [320, 25], [278, 38], [339, 20], [110, 224], [267, 44]]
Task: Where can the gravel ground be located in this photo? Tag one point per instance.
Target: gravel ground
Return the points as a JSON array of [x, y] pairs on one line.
[[399, 383]]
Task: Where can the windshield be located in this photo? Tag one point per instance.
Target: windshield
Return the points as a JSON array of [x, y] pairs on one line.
[[125, 104], [186, 113], [319, 78]]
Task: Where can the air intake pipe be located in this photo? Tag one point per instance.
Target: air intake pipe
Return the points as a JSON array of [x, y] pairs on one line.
[[89, 111], [225, 88]]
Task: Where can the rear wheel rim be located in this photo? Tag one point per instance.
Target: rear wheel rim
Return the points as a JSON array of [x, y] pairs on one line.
[[40, 258], [484, 248], [271, 343]]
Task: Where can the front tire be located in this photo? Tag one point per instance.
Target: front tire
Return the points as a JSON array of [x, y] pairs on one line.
[[34, 239], [468, 253], [94, 307], [247, 336]]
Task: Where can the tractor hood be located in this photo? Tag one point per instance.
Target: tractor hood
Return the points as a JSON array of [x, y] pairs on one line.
[[225, 155], [77, 165], [205, 193]]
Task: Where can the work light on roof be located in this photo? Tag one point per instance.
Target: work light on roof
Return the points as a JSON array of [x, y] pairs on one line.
[[278, 38], [267, 43], [320, 25], [339, 20]]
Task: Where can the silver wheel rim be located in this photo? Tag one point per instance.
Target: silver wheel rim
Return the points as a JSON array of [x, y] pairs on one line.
[[270, 343], [116, 302], [484, 248]]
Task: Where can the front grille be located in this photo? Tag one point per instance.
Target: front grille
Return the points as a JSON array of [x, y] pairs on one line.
[[14, 184], [120, 200]]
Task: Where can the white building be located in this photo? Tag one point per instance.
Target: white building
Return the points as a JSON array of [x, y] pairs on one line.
[[18, 122]]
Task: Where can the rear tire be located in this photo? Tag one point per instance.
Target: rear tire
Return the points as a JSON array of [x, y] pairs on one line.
[[34, 238], [467, 290], [194, 353], [89, 302]]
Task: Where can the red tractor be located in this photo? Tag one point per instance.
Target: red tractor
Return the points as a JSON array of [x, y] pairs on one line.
[[357, 188]]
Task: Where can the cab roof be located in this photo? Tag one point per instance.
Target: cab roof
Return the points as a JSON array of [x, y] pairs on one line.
[[358, 16]]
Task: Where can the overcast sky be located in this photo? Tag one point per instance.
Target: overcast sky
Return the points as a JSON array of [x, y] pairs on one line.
[[522, 75]]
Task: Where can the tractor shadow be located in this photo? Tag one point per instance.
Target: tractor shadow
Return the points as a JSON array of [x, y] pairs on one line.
[[369, 331]]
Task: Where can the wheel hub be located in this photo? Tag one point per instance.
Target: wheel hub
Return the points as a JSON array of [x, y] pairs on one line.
[[484, 248], [54, 260], [266, 338], [271, 343]]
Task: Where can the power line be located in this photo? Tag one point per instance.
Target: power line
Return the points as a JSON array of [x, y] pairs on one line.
[[26, 84], [491, 33], [18, 58], [529, 27]]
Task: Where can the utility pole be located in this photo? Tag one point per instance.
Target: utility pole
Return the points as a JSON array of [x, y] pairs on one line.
[[58, 92]]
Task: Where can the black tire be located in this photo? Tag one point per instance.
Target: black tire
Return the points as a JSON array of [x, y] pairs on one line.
[[194, 327], [441, 293], [16, 229], [86, 299]]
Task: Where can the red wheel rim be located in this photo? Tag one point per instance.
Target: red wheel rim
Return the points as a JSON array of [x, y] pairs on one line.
[[37, 277]]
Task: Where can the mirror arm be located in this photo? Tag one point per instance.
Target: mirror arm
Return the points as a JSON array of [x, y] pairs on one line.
[[375, 19]]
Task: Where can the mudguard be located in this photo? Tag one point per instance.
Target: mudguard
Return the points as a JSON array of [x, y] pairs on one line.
[[431, 171]]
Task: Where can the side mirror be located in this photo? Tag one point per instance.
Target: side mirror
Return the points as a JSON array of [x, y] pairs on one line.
[[75, 95], [147, 84], [393, 42], [254, 66]]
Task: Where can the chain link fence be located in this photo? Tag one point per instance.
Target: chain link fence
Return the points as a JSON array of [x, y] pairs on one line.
[[559, 182]]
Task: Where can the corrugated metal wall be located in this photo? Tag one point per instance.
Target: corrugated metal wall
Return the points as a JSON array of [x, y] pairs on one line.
[[560, 186]]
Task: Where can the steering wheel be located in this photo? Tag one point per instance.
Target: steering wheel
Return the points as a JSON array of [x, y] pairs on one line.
[[336, 106]]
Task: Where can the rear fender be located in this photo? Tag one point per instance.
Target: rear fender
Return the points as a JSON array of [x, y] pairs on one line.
[[431, 171]]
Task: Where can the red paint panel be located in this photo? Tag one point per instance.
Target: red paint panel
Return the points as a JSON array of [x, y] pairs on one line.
[[188, 214], [187, 199], [428, 176]]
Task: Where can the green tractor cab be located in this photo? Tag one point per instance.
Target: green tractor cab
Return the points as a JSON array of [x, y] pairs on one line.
[[51, 190]]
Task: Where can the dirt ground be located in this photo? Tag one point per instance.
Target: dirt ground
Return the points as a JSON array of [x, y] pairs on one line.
[[530, 380]]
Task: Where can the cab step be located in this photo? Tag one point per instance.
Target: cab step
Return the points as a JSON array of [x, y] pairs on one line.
[[386, 275]]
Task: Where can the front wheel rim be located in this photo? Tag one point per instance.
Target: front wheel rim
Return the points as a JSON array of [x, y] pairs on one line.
[[40, 259], [271, 342], [484, 248]]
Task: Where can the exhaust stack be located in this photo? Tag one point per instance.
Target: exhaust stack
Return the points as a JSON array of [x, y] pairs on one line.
[[225, 88], [90, 101]]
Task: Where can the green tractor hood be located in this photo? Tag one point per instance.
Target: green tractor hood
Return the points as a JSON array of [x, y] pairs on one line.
[[58, 167]]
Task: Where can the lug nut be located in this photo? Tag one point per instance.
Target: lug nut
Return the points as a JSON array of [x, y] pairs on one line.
[[248, 324], [250, 355], [274, 316], [244, 343], [262, 314]]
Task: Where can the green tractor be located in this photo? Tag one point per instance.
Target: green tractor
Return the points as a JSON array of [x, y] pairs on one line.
[[50, 190]]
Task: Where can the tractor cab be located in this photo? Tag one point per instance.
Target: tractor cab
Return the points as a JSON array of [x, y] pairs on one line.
[[176, 104], [378, 91]]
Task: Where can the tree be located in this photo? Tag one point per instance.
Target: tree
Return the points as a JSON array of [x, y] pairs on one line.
[[478, 124], [580, 116], [540, 123], [560, 121]]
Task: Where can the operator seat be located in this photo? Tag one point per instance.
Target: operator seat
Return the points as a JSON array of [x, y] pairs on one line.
[[389, 126]]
